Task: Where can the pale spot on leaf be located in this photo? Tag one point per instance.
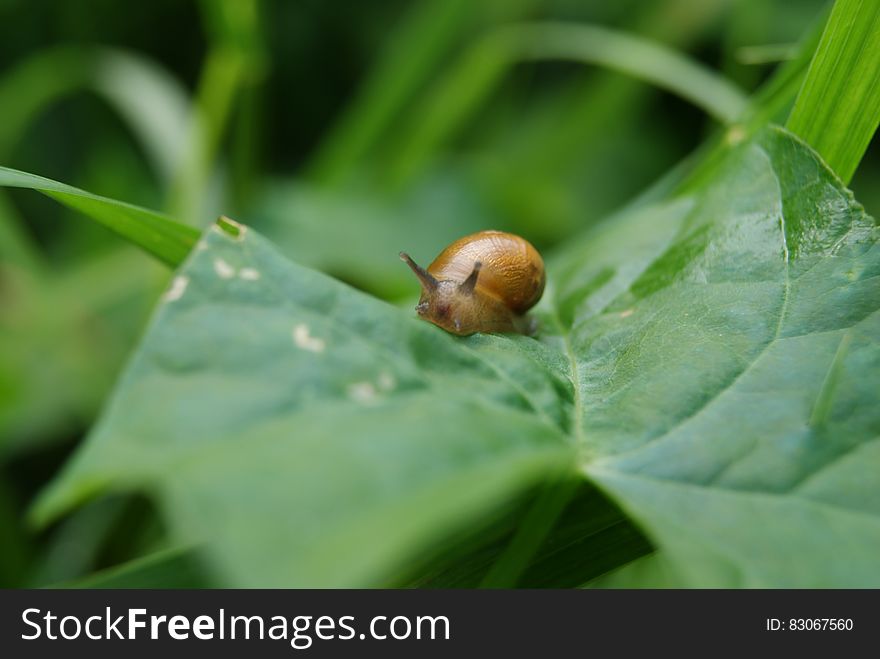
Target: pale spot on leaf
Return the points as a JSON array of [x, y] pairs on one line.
[[386, 381], [362, 392], [177, 289], [223, 269], [250, 274], [627, 313], [305, 341]]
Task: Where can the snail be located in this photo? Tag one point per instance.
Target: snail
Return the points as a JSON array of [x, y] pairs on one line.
[[484, 282]]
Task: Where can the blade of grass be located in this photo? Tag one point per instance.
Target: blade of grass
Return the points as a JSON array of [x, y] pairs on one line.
[[479, 71], [769, 104], [573, 127], [425, 36], [748, 21], [121, 78], [554, 146], [25, 90], [838, 108], [235, 57], [125, 80], [428, 33], [74, 546], [530, 535], [247, 135], [31, 85], [157, 234], [766, 53], [637, 57]]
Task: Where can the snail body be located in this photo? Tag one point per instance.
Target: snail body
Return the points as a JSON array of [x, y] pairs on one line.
[[484, 282]]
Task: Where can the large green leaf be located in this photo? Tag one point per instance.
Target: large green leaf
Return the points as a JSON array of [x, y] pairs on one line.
[[729, 388], [713, 360], [316, 435]]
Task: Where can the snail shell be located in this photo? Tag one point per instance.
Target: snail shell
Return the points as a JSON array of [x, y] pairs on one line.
[[484, 282]]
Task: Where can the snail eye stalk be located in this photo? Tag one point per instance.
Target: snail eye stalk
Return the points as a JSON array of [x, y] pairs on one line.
[[468, 285], [427, 279]]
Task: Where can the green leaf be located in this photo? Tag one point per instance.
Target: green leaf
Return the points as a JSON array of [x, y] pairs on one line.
[[279, 387], [703, 366], [711, 359], [838, 108], [158, 234]]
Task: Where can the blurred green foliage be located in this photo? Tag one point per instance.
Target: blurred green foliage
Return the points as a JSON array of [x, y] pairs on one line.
[[344, 131]]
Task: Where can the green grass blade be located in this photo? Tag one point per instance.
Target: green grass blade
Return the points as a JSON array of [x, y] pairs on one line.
[[123, 79], [424, 38], [557, 145], [158, 234], [428, 34], [638, 57], [838, 108], [235, 60], [774, 99], [766, 53], [25, 90], [532, 533], [479, 71]]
